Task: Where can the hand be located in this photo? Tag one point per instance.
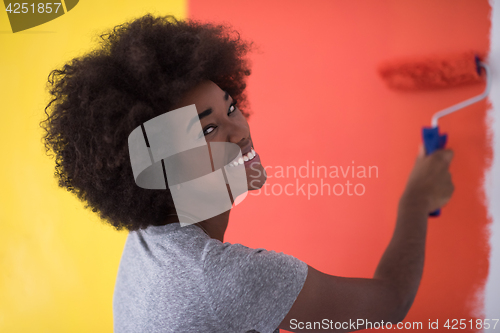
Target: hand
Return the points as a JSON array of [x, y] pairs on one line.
[[430, 180]]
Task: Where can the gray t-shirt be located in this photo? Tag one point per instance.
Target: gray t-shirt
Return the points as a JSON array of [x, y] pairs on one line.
[[177, 279]]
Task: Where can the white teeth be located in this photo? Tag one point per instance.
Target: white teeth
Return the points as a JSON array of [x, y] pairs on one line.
[[252, 153], [245, 158]]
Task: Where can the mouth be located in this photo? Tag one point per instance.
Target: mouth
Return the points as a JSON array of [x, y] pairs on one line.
[[247, 159]]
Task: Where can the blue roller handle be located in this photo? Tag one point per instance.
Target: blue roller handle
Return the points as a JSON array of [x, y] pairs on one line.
[[432, 142]]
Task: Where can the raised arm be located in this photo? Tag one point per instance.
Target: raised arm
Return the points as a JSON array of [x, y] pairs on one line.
[[388, 296]]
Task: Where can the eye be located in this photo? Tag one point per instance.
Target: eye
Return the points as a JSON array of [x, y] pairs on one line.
[[232, 107], [208, 130], [211, 128]]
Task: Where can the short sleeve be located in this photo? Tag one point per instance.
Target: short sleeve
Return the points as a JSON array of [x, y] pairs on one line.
[[251, 289]]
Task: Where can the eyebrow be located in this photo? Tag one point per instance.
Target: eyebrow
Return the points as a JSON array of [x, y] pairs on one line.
[[205, 113]]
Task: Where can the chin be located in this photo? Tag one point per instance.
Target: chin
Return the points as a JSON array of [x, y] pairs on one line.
[[256, 186], [256, 183]]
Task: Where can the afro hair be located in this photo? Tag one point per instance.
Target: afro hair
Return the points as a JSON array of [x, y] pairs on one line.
[[140, 69]]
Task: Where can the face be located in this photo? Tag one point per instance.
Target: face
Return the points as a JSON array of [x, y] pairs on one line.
[[222, 121]]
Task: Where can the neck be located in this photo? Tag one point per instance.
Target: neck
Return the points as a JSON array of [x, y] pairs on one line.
[[215, 226]]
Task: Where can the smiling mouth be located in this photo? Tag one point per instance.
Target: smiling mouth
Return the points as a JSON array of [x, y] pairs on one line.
[[244, 159]]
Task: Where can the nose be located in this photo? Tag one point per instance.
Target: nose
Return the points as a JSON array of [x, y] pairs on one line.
[[239, 133]]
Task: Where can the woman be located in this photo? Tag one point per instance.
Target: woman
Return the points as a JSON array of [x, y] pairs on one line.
[[175, 278]]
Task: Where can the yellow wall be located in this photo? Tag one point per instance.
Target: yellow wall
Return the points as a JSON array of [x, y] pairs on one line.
[[58, 262]]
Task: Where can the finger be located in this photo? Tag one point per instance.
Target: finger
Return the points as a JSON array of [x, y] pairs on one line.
[[448, 178], [448, 154], [421, 151], [445, 155]]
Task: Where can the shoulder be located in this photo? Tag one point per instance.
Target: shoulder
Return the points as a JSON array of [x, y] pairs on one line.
[[251, 288], [249, 260], [167, 238]]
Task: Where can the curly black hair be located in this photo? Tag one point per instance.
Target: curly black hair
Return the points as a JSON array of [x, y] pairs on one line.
[[140, 70]]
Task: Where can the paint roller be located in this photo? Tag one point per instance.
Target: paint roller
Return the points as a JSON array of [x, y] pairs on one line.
[[434, 73]]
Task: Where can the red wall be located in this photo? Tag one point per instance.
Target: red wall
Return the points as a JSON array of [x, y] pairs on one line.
[[316, 96]]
